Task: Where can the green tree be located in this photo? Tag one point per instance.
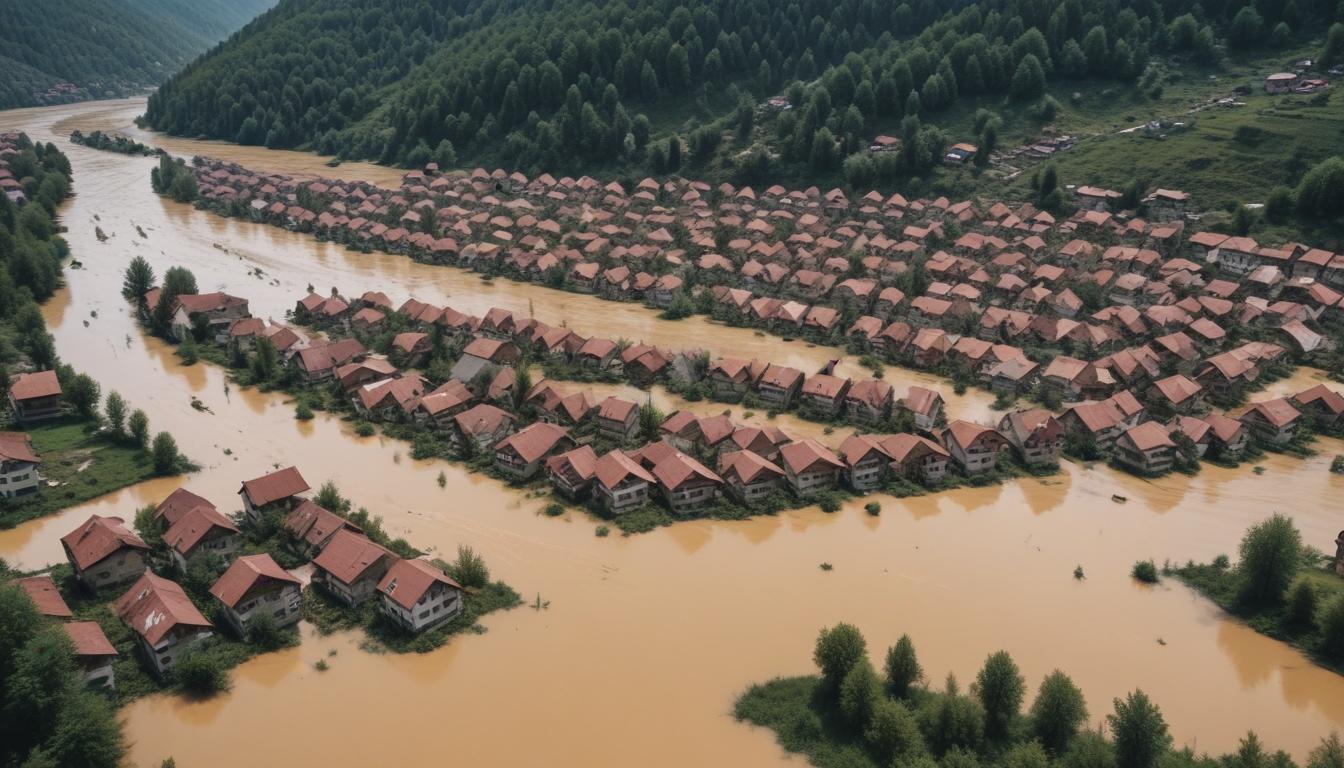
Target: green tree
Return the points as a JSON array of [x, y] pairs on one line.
[[1332, 629], [1000, 688], [200, 673], [859, 693], [87, 734], [838, 649], [167, 460], [1279, 205], [469, 569], [892, 732], [1057, 713], [1321, 192], [902, 667], [1028, 80], [1333, 52], [1246, 28], [138, 425], [138, 280], [114, 409], [1302, 602], [1025, 755], [1139, 731], [1271, 553], [951, 721], [1328, 754], [1089, 749], [81, 392]]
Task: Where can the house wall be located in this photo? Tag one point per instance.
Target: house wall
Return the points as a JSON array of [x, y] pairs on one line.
[[867, 474], [812, 480], [690, 496], [355, 593], [121, 567], [439, 604], [37, 408], [282, 603], [19, 478], [625, 497], [161, 657]]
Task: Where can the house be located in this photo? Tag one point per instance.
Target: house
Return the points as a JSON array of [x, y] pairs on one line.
[[46, 597], [350, 566], [571, 472], [1178, 394], [779, 385], [1036, 434], [866, 462], [418, 596], [618, 419], [18, 466], [413, 346], [1146, 448], [1229, 437], [732, 377], [620, 483], [1196, 429], [163, 618], [104, 552], [255, 585], [35, 397], [974, 447], [1325, 405], [177, 504], [868, 402], [520, 455], [749, 477], [810, 467], [959, 153], [389, 399], [276, 491], [483, 425], [213, 313], [201, 533], [94, 653], [1281, 82], [1096, 421], [482, 354], [1272, 421], [824, 395], [312, 526], [319, 362], [925, 405], [440, 406], [685, 483], [916, 457]]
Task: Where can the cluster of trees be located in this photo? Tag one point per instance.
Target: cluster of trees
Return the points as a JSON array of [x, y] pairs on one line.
[[106, 49], [50, 720], [173, 178], [561, 85], [854, 715], [1276, 585]]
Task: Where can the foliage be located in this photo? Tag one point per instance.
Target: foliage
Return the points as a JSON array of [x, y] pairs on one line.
[[167, 459], [1271, 553], [1140, 732], [469, 568], [837, 650], [1321, 191], [1000, 688], [1145, 571], [902, 668], [1058, 712], [198, 673]]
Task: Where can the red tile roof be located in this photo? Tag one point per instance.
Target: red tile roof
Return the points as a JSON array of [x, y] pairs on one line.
[[28, 386], [98, 538], [349, 555], [44, 594], [191, 528], [17, 446], [88, 639], [408, 580], [154, 606], [277, 485], [245, 573]]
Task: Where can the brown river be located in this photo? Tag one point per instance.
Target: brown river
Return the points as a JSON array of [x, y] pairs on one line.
[[647, 640]]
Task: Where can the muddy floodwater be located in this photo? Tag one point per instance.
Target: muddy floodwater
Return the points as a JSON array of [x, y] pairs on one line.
[[648, 639]]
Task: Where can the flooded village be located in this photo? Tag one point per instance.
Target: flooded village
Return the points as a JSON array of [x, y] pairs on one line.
[[822, 407]]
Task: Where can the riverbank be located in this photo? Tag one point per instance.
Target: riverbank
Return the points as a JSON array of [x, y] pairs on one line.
[[957, 564]]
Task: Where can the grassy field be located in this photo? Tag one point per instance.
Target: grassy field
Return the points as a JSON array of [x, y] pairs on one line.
[[85, 466]]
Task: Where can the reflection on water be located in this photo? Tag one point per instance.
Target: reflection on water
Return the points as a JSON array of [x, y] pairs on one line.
[[648, 639]]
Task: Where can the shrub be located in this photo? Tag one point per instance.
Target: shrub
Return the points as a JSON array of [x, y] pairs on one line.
[[1301, 605], [166, 457], [602, 531], [263, 632], [829, 503], [469, 569], [302, 412], [364, 429], [873, 508], [1337, 466], [200, 674], [1145, 571], [555, 510], [1332, 629], [1271, 553]]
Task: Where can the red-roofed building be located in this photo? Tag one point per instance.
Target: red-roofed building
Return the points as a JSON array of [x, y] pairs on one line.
[[201, 533], [975, 447], [35, 396], [254, 585], [351, 566], [1147, 448], [44, 594], [1273, 421], [620, 483], [312, 526], [1036, 434], [810, 467], [104, 552], [94, 653], [163, 618], [520, 455], [18, 465], [749, 477], [279, 490], [418, 596]]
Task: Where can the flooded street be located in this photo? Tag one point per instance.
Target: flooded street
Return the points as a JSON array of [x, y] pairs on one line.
[[648, 639]]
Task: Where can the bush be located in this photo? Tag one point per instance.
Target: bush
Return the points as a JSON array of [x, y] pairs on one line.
[[873, 508], [555, 510], [1302, 605], [302, 412], [1337, 466], [167, 460], [364, 429], [1271, 553], [829, 503], [469, 569], [602, 531], [262, 631], [198, 673], [1332, 629], [1145, 571]]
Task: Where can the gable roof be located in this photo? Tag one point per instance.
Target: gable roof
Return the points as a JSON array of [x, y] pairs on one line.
[[245, 573], [280, 484], [17, 446], [349, 555], [408, 580], [191, 528], [154, 606], [98, 538], [44, 594]]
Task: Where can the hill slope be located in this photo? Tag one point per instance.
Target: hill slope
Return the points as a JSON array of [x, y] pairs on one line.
[[569, 85], [63, 50]]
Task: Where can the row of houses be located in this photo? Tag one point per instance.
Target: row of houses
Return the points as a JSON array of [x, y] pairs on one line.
[[106, 555], [1016, 259]]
